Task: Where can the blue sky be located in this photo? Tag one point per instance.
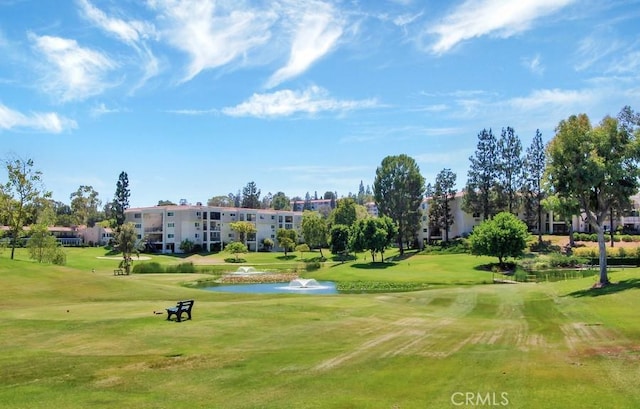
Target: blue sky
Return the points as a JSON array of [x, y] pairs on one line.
[[196, 98]]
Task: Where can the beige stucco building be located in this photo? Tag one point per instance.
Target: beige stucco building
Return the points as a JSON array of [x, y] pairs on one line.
[[166, 227]]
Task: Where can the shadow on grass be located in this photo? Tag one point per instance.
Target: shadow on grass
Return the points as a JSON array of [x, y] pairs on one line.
[[612, 288], [374, 266], [407, 255], [288, 257]]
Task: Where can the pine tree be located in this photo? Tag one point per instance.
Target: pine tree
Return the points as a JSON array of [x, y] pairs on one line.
[[509, 167], [480, 192], [121, 198], [534, 166]]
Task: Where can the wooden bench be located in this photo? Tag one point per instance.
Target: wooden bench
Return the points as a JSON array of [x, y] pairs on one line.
[[119, 272], [181, 306]]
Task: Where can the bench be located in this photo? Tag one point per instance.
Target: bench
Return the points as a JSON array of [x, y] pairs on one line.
[[119, 272], [181, 306]]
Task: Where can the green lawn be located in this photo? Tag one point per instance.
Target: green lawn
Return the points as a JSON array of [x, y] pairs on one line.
[[73, 338]]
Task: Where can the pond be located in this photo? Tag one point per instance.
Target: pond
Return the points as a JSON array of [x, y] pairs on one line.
[[294, 287]]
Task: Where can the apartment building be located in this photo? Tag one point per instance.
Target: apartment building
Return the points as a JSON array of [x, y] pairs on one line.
[[165, 227], [463, 222]]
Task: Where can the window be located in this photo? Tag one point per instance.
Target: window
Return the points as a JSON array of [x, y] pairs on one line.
[[137, 215], [215, 215], [170, 214], [138, 225], [476, 215], [170, 235], [171, 225], [139, 236], [197, 235], [198, 214], [197, 224]]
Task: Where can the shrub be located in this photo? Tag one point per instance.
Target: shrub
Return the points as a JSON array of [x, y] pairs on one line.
[[560, 261], [622, 253], [148, 268], [312, 266], [520, 276], [627, 238], [185, 268]]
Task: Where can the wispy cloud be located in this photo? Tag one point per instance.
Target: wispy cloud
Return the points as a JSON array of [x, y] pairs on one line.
[[596, 47], [73, 72], [318, 29], [283, 103], [39, 121], [194, 112], [534, 64], [213, 34], [101, 109], [477, 18], [548, 98], [131, 32]]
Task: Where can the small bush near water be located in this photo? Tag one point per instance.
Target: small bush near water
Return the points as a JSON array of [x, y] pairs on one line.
[[358, 287], [153, 267]]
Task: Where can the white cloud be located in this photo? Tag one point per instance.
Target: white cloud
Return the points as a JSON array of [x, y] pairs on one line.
[[132, 32], [552, 98], [212, 34], [282, 103], [596, 47], [534, 64], [476, 18], [39, 121], [316, 34], [72, 72]]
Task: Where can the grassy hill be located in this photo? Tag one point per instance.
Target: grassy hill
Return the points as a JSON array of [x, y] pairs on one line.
[[73, 338]]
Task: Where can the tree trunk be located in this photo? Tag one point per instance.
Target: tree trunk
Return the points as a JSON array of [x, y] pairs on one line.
[[539, 223], [572, 242], [602, 247]]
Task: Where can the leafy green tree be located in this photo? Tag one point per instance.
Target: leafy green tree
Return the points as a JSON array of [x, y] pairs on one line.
[[444, 193], [314, 230], [480, 192], [267, 244], [266, 201], [302, 248], [597, 167], [222, 201], [250, 196], [121, 198], [187, 246], [509, 168], [84, 205], [565, 208], [287, 239], [332, 197], [43, 246], [244, 229], [374, 234], [503, 236], [339, 238], [235, 248], [127, 242], [166, 203], [533, 188], [63, 213], [398, 189], [344, 213], [281, 202], [19, 197]]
